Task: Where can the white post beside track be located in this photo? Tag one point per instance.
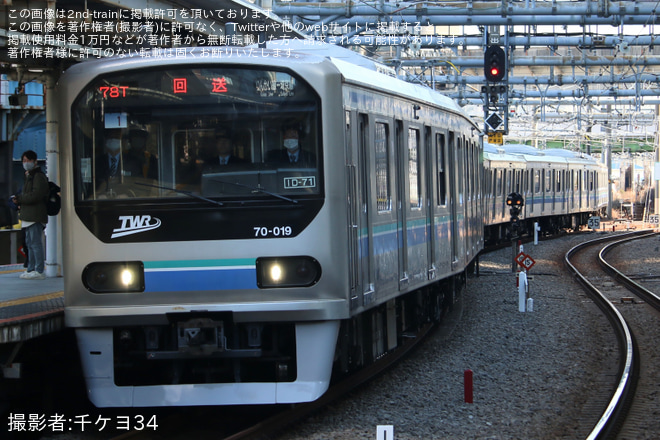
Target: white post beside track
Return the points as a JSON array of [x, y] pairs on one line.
[[385, 432], [522, 291], [536, 233]]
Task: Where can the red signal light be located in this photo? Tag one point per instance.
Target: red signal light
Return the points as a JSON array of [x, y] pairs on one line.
[[494, 63]]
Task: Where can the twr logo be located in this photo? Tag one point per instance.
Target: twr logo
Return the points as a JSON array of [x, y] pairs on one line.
[[132, 224]]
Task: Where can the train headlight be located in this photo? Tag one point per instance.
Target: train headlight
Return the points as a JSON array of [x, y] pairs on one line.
[[114, 277], [287, 272]]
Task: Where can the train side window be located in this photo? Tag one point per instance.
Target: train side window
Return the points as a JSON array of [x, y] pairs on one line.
[[461, 170], [414, 174], [493, 183], [472, 169], [480, 167], [476, 166], [466, 165], [537, 181], [558, 181], [578, 185], [442, 173], [487, 182], [383, 178]]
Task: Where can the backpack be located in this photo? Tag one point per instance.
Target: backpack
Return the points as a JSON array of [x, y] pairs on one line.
[[53, 201]]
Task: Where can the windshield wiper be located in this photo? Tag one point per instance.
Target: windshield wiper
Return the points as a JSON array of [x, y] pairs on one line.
[[187, 193], [256, 189]]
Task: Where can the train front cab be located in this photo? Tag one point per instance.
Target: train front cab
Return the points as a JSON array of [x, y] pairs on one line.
[[238, 277], [207, 320]]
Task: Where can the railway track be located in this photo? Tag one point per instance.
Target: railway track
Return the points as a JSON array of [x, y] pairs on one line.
[[630, 399], [299, 412], [263, 422]]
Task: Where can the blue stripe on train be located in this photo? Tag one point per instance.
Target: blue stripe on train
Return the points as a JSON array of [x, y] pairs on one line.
[[200, 279]]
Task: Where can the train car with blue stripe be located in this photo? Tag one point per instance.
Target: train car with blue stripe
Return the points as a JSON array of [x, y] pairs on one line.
[[560, 188], [240, 223]]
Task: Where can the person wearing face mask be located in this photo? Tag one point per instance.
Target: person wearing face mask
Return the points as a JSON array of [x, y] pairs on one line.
[[292, 153], [31, 203]]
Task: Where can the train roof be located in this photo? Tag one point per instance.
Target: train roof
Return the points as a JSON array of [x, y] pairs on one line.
[[568, 154], [533, 151], [522, 149], [355, 68], [325, 50], [527, 153], [497, 154], [367, 72]]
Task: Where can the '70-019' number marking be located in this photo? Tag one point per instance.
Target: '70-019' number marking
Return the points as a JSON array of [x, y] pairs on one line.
[[277, 231]]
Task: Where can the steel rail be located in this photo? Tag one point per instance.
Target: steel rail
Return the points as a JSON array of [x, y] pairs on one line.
[[612, 418], [651, 298]]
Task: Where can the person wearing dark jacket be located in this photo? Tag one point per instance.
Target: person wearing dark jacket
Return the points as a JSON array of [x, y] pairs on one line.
[[292, 153], [32, 212], [223, 153]]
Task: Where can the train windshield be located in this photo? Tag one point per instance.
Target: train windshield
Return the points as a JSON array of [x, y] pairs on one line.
[[201, 133]]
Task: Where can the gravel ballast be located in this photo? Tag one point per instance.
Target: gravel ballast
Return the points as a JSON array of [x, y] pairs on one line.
[[536, 374]]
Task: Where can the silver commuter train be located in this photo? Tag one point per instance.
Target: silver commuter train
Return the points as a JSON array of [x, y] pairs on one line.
[[560, 188], [192, 284]]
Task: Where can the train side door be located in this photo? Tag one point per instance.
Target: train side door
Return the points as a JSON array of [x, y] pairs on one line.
[[362, 232], [535, 185], [442, 202], [555, 189], [580, 185], [431, 171], [455, 199], [469, 200], [545, 182], [415, 209], [593, 182], [570, 191], [564, 190], [400, 137]]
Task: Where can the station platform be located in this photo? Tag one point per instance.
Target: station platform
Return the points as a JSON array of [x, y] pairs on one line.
[[29, 308]]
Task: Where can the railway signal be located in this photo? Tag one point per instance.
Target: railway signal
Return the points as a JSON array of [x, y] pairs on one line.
[[494, 64], [515, 203], [494, 121]]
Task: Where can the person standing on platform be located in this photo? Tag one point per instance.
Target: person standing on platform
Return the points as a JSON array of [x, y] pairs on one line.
[[31, 203]]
